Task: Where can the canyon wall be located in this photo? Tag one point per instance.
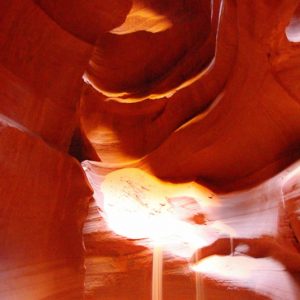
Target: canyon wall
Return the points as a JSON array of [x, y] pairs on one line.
[[136, 125]]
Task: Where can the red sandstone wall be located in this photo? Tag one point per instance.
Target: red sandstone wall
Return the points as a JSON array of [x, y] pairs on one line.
[[183, 90]]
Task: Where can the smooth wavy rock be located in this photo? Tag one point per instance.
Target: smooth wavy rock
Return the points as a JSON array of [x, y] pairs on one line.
[[243, 244], [41, 250], [43, 190], [236, 118], [185, 117]]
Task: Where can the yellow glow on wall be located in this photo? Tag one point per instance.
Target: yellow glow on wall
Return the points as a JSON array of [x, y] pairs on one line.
[[137, 205], [142, 18]]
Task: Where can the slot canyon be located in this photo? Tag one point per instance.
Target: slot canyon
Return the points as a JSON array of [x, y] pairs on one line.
[[150, 149]]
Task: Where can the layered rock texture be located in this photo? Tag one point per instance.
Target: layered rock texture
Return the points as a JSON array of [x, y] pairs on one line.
[[149, 149]]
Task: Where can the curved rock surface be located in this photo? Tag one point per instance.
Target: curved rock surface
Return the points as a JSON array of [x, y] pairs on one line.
[[185, 116], [244, 244]]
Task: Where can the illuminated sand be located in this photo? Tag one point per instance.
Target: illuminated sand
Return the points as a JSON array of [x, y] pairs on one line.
[[262, 275], [157, 273], [185, 90], [152, 212], [139, 206]]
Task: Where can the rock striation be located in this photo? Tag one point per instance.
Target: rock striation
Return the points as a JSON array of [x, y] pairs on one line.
[[135, 127]]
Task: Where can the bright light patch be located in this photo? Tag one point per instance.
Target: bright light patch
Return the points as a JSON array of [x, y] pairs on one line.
[[265, 276], [142, 18], [137, 205], [231, 267], [293, 30]]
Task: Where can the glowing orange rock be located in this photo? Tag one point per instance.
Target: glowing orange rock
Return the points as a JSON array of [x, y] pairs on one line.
[[236, 118], [186, 91]]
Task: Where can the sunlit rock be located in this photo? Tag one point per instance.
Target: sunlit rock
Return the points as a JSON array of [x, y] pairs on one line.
[[149, 149]]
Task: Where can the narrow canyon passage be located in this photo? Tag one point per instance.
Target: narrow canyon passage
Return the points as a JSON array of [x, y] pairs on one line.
[[149, 150]]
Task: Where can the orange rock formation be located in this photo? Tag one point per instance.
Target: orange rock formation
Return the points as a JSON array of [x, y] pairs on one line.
[[140, 126]]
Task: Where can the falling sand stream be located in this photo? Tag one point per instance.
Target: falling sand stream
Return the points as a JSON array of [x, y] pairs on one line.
[[162, 211], [157, 276], [157, 272], [198, 281]]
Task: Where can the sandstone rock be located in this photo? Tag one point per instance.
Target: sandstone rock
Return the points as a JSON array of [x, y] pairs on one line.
[[186, 118], [41, 219]]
